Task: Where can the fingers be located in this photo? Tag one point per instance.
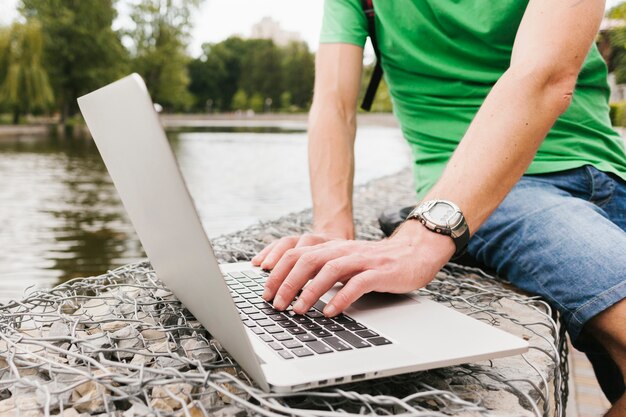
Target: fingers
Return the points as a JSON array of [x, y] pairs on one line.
[[277, 251], [353, 290], [281, 270], [308, 239], [333, 271], [256, 261]]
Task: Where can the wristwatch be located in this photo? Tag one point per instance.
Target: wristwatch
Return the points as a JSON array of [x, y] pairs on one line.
[[446, 218]]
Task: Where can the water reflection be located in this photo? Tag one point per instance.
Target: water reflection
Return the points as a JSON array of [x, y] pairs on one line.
[[60, 216]]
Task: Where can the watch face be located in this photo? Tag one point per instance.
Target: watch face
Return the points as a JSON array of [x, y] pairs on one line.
[[444, 214]]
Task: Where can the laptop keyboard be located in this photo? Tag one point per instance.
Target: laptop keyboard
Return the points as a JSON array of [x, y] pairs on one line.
[[294, 335]]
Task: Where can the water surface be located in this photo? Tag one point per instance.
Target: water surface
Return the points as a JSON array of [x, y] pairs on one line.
[[60, 216]]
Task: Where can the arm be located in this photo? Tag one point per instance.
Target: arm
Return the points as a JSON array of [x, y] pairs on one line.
[[550, 47], [551, 44], [332, 128]]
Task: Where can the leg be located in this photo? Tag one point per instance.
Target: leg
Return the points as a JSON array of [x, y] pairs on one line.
[[609, 328], [546, 241]]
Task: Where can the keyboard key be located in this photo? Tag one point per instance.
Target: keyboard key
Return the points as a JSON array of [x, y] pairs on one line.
[[278, 317], [251, 274], [300, 352], [377, 341], [249, 296], [354, 326], [266, 338], [295, 330], [266, 322], [270, 310], [333, 327], [243, 291], [292, 344], [353, 339], [366, 333], [306, 337], [319, 347], [236, 274], [313, 314], [282, 336], [274, 329], [257, 316], [321, 333], [257, 303], [343, 319], [337, 344], [257, 330], [275, 345], [242, 304], [301, 319], [287, 323], [323, 321], [285, 354], [249, 310], [310, 326], [249, 323]]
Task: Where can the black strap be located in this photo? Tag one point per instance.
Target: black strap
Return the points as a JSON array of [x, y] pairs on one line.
[[370, 93]]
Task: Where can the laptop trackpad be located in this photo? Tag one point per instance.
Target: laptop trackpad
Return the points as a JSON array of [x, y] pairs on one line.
[[373, 300]]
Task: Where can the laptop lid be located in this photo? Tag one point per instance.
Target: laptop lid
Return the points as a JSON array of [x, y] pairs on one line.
[[135, 150]]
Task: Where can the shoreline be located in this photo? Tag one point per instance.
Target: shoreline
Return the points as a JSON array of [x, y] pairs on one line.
[[298, 120]]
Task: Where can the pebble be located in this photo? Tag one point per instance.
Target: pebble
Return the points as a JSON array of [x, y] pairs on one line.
[[178, 396]]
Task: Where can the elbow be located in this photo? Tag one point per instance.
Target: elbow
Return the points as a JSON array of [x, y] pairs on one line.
[[553, 85], [330, 107]]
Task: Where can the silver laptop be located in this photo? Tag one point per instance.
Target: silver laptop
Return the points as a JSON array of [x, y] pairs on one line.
[[379, 335]]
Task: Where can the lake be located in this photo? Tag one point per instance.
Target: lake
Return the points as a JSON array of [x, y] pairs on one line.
[[60, 216]]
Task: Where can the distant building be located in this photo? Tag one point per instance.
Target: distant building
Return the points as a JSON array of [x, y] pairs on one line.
[[268, 28]]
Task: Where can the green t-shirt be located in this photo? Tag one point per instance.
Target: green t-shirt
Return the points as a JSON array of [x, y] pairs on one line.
[[442, 57]]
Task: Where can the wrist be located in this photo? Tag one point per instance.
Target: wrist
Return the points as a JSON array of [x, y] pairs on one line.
[[344, 230], [417, 235]]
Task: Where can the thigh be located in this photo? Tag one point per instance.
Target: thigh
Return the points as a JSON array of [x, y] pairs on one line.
[[551, 243]]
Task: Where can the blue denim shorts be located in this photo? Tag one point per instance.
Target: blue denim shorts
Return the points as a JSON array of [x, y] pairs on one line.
[[562, 236]]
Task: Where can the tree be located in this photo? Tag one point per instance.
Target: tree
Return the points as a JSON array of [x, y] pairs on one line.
[[24, 85], [298, 69], [240, 100], [256, 66], [158, 52], [261, 70], [81, 50]]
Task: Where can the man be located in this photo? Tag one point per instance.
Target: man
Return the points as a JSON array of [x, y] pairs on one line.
[[505, 106]]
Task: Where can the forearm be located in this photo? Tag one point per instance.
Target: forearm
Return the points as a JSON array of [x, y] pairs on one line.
[[331, 167], [501, 141]]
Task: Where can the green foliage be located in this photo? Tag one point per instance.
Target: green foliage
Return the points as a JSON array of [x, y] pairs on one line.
[[240, 100], [382, 101], [81, 50], [617, 113], [158, 52], [298, 74], [257, 102], [255, 66], [285, 101], [24, 85]]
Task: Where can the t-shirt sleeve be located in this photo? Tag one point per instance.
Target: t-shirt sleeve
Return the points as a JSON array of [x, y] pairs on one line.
[[344, 22]]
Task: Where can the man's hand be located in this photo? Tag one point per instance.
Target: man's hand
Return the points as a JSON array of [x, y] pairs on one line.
[[406, 261], [273, 252]]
